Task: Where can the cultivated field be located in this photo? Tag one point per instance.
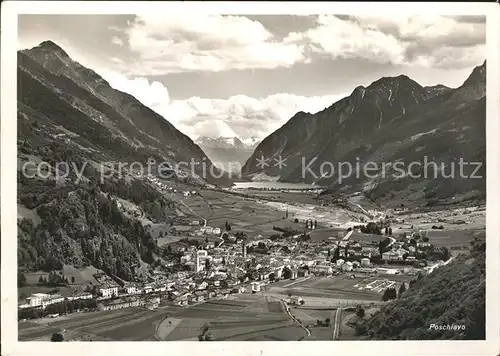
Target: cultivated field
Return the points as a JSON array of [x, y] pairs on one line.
[[292, 197], [243, 317], [333, 291], [358, 236], [244, 214], [257, 216], [451, 238], [132, 324], [325, 234]]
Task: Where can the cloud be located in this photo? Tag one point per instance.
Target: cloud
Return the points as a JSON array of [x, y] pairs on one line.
[[171, 44], [417, 41], [117, 41], [246, 116], [151, 93], [469, 19], [166, 44], [241, 114]]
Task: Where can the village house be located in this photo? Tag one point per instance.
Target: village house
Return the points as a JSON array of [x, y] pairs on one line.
[[80, 296], [181, 301], [365, 262], [255, 287], [348, 266], [322, 268], [202, 285], [368, 251], [354, 253], [132, 289], [42, 300], [108, 290], [169, 285], [231, 282], [367, 270], [153, 303], [121, 303], [296, 300], [207, 230], [278, 271], [222, 293], [159, 288], [423, 244], [263, 274], [356, 246], [390, 256], [238, 290], [196, 297]]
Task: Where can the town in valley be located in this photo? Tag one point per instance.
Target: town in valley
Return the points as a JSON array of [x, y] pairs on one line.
[[251, 233]]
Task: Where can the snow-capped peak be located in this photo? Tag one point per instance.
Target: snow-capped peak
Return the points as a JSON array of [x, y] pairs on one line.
[[226, 142]]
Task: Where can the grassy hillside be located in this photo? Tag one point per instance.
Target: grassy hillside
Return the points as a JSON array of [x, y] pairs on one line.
[[453, 294]]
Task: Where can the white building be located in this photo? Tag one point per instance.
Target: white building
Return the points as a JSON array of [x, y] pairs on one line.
[[390, 256], [365, 262], [132, 289], [207, 230], [201, 256], [42, 299], [203, 285], [108, 291], [84, 295], [255, 287], [321, 269], [347, 266]]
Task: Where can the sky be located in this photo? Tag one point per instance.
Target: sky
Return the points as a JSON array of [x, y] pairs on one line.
[[224, 75]]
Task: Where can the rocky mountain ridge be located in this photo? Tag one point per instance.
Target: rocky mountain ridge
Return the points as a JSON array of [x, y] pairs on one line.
[[393, 119]]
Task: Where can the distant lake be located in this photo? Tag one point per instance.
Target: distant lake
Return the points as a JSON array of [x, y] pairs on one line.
[[274, 185]]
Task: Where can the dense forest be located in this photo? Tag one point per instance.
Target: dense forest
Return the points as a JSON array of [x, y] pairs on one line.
[[454, 294], [81, 223]]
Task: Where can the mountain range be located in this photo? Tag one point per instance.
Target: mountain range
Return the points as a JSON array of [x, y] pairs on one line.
[[68, 114], [70, 101], [393, 119], [228, 153]]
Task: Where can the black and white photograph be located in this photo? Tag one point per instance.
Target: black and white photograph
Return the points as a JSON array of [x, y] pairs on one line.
[[250, 177]]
